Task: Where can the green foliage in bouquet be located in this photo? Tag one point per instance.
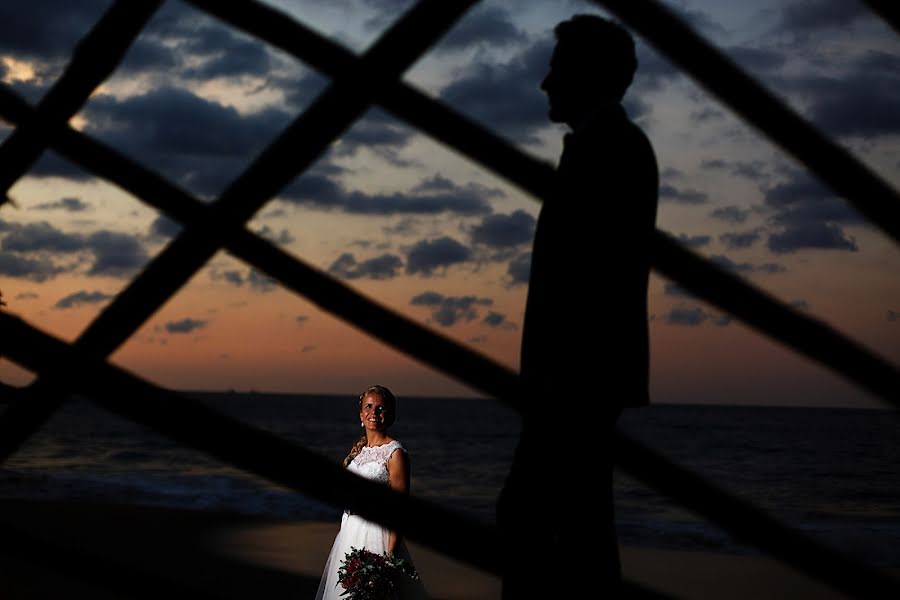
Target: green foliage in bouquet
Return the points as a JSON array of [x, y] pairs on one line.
[[365, 575]]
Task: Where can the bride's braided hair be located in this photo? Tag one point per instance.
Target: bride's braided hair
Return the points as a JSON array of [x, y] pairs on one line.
[[391, 414]]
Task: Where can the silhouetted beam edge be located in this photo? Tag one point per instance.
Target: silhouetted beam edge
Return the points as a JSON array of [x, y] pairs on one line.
[[535, 177], [294, 150], [327, 292], [753, 525], [398, 98], [887, 10], [839, 169], [806, 335], [290, 154], [810, 337], [194, 425], [104, 572], [93, 60]]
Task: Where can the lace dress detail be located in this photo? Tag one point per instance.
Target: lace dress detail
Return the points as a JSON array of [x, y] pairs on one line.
[[371, 462], [357, 532]]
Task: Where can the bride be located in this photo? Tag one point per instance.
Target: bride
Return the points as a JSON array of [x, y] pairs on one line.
[[379, 457]]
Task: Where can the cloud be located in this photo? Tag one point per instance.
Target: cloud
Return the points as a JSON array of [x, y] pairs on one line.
[[257, 281], [465, 202], [674, 290], [861, 103], [200, 144], [450, 310], [757, 59], [738, 240], [281, 238], [260, 282], [681, 315], [485, 25], [505, 97], [498, 321], [693, 241], [36, 269], [753, 170], [187, 325], [799, 304], [385, 266], [428, 255], [46, 29], [177, 43], [826, 236], [82, 297], [693, 316], [814, 16], [164, 228], [180, 42], [379, 132], [654, 71], [68, 204], [426, 198], [41, 236], [808, 215], [519, 269], [232, 276], [745, 267], [115, 254], [730, 214], [670, 193], [504, 230], [893, 316], [225, 54]]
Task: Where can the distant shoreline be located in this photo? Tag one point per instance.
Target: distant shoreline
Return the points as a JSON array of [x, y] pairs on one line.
[[200, 394], [232, 556], [9, 392]]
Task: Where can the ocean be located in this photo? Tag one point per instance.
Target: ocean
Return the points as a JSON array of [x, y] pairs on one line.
[[832, 473]]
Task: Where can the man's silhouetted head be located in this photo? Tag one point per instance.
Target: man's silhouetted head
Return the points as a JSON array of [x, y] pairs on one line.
[[593, 64]]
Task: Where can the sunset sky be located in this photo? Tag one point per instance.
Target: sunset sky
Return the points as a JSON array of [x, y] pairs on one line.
[[433, 235]]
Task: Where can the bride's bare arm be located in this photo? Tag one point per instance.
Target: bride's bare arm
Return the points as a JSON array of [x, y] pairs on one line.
[[398, 479]]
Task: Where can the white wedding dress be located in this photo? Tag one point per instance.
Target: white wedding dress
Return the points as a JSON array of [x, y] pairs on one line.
[[357, 532]]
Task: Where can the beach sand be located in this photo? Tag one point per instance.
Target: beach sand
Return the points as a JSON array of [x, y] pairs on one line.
[[63, 550]]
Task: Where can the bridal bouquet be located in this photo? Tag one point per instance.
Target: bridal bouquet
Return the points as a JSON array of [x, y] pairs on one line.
[[369, 576]]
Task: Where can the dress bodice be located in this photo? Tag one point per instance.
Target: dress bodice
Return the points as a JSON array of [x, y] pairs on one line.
[[371, 462]]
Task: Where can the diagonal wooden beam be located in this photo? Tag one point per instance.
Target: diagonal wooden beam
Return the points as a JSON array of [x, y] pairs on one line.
[[93, 60], [195, 425], [887, 10], [293, 151], [873, 197], [750, 524], [776, 319], [405, 102]]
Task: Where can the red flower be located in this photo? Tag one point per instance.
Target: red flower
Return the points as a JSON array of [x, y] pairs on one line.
[[369, 576]]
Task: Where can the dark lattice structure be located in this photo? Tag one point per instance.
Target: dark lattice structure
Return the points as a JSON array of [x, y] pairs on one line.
[[358, 82]]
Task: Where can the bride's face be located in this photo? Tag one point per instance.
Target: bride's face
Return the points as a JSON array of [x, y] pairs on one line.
[[374, 412]]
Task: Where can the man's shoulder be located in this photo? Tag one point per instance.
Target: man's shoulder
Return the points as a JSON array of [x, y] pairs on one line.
[[612, 140]]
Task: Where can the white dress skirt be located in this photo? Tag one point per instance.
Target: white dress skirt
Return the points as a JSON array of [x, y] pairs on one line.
[[356, 532]]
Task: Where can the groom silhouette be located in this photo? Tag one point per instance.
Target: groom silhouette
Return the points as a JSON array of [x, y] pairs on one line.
[[585, 350]]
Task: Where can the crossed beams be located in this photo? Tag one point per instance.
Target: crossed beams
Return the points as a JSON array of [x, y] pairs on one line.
[[295, 149], [773, 318], [650, 467], [357, 77], [852, 180], [94, 60]]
